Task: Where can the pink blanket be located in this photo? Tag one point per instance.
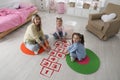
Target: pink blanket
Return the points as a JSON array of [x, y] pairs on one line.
[[10, 18]]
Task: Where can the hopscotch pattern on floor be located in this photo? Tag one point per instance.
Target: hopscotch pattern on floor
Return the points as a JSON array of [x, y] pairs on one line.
[[51, 64]]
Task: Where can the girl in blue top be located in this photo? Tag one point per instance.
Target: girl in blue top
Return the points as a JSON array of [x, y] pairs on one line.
[[77, 49]]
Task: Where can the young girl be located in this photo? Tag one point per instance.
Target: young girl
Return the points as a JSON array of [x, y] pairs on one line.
[[34, 37], [77, 49], [60, 33]]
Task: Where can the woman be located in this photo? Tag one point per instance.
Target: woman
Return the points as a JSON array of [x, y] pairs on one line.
[[34, 37]]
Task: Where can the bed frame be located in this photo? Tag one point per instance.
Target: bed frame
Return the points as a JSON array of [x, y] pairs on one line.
[[3, 34]]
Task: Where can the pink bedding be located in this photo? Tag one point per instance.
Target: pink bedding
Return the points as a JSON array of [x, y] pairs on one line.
[[10, 18]]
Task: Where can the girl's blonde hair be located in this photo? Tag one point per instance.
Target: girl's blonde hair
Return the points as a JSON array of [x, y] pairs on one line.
[[59, 18]]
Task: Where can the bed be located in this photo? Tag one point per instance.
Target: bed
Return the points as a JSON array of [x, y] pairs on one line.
[[13, 18]]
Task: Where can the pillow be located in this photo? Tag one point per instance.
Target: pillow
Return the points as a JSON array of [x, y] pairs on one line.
[[109, 17]]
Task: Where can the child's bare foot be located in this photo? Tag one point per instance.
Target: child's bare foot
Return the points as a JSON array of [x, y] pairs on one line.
[[66, 52], [72, 59]]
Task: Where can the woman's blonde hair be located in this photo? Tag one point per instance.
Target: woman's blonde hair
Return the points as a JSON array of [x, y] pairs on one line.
[[34, 16]]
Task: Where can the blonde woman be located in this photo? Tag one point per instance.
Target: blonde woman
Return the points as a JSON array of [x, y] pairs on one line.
[[34, 37]]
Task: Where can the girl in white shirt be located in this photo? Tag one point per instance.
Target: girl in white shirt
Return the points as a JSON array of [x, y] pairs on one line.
[[60, 33]]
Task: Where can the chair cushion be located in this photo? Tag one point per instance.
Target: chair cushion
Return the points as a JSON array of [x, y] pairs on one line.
[[98, 24], [109, 17], [29, 52]]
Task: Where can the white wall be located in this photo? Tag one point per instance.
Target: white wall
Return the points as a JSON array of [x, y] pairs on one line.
[[30, 1], [5, 3], [114, 1], [110, 1]]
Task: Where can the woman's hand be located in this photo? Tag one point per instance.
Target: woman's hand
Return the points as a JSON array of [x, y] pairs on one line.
[[47, 45], [46, 49]]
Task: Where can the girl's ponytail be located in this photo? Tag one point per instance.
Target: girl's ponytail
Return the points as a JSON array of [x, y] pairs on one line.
[[82, 38]]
